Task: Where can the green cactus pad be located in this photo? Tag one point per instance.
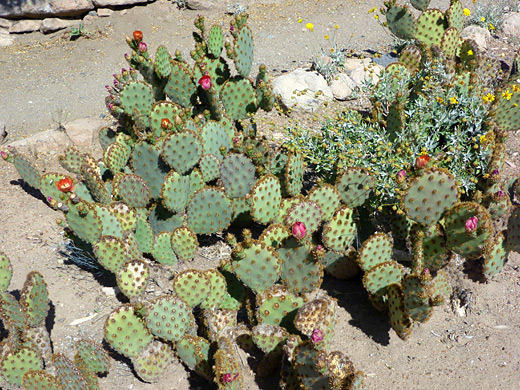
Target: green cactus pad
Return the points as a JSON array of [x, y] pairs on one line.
[[341, 265], [136, 95], [293, 174], [215, 40], [496, 257], [218, 71], [318, 314], [265, 199], [468, 54], [106, 136], [6, 272], [429, 195], [153, 361], [256, 265], [176, 192], [420, 5], [269, 337], [416, 298], [237, 173], [277, 306], [209, 167], [164, 110], [469, 245], [162, 62], [401, 22], [184, 243], [38, 380], [300, 272], [440, 288], [274, 235], [39, 339], [69, 376], [182, 150], [34, 299], [125, 331], [451, 42], [82, 218], [410, 57], [168, 317], [180, 87], [11, 314], [92, 357], [162, 251], [238, 97], [506, 108], [327, 198], [286, 205], [116, 157], [192, 286], [196, 181], [72, 159], [354, 186], [94, 183], [110, 252], [307, 212], [435, 253], [339, 233], [209, 211], [378, 278], [376, 249], [126, 215], [144, 235], [163, 220], [399, 320], [48, 186], [133, 191], [194, 351], [455, 15], [147, 163], [431, 26], [398, 73], [132, 278], [215, 136], [14, 365], [27, 170], [243, 54], [218, 289]]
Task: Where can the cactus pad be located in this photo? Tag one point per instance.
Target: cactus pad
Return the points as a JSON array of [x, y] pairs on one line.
[[327, 198], [72, 159], [163, 110], [180, 87], [455, 15], [27, 170], [14, 365], [152, 362], [84, 221], [162, 62], [133, 191], [136, 95], [507, 110], [265, 199], [34, 299], [132, 278], [399, 320], [192, 286], [354, 186], [182, 150], [209, 167], [215, 41], [147, 163], [244, 51], [39, 379], [162, 251], [209, 211], [184, 243], [274, 235], [168, 317], [431, 26], [307, 212], [496, 257], [277, 306], [401, 22], [6, 272], [239, 98], [237, 173], [176, 192], [378, 278], [377, 249], [339, 233], [69, 376], [215, 136], [194, 352]]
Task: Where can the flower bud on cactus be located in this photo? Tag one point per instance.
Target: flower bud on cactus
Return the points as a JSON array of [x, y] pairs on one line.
[[299, 230], [142, 47], [401, 176], [166, 124], [3, 155], [138, 36], [500, 194], [227, 378], [471, 224], [205, 82], [422, 161], [317, 336]]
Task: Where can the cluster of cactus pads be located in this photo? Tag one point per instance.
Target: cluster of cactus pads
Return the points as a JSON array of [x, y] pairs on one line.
[[184, 161], [26, 355]]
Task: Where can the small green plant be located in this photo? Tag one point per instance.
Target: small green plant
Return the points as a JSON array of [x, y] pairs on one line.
[[77, 32], [490, 14]]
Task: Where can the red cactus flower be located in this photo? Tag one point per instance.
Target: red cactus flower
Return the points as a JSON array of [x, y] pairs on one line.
[[471, 224], [65, 185], [165, 124], [317, 336], [422, 161], [205, 82], [138, 35], [227, 378], [299, 230]]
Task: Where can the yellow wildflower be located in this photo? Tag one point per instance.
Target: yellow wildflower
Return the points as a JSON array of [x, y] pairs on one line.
[[376, 17], [507, 95], [482, 139], [488, 98], [336, 26], [516, 88], [300, 20], [514, 104], [310, 26], [491, 27], [453, 100], [424, 152], [332, 50], [482, 19], [470, 52], [372, 10], [466, 11], [439, 99], [326, 37]]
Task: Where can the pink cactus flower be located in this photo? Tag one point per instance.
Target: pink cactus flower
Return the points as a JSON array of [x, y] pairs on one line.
[[495, 172], [319, 247], [401, 175], [317, 336], [299, 230], [471, 224], [500, 194], [205, 82], [227, 378], [3, 155], [142, 47]]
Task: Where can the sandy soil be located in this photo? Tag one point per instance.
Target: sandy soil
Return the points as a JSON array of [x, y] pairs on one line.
[[471, 343]]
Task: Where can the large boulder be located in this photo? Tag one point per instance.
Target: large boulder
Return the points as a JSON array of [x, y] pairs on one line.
[[44, 8], [25, 26], [511, 24], [480, 35], [301, 89], [50, 25]]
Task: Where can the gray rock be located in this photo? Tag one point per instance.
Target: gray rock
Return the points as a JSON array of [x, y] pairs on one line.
[[511, 24], [5, 38], [115, 3], [342, 86], [5, 23], [23, 26], [104, 12], [44, 142], [303, 90], [355, 63], [480, 35], [361, 74], [50, 25], [43, 8], [84, 131]]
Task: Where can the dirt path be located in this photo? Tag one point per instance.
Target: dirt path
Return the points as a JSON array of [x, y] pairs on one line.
[[47, 80]]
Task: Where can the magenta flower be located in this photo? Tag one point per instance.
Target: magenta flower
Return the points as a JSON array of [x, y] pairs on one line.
[[205, 82], [500, 194], [401, 175], [142, 47], [319, 247], [3, 155], [227, 378], [299, 230], [471, 224], [495, 172], [317, 336]]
